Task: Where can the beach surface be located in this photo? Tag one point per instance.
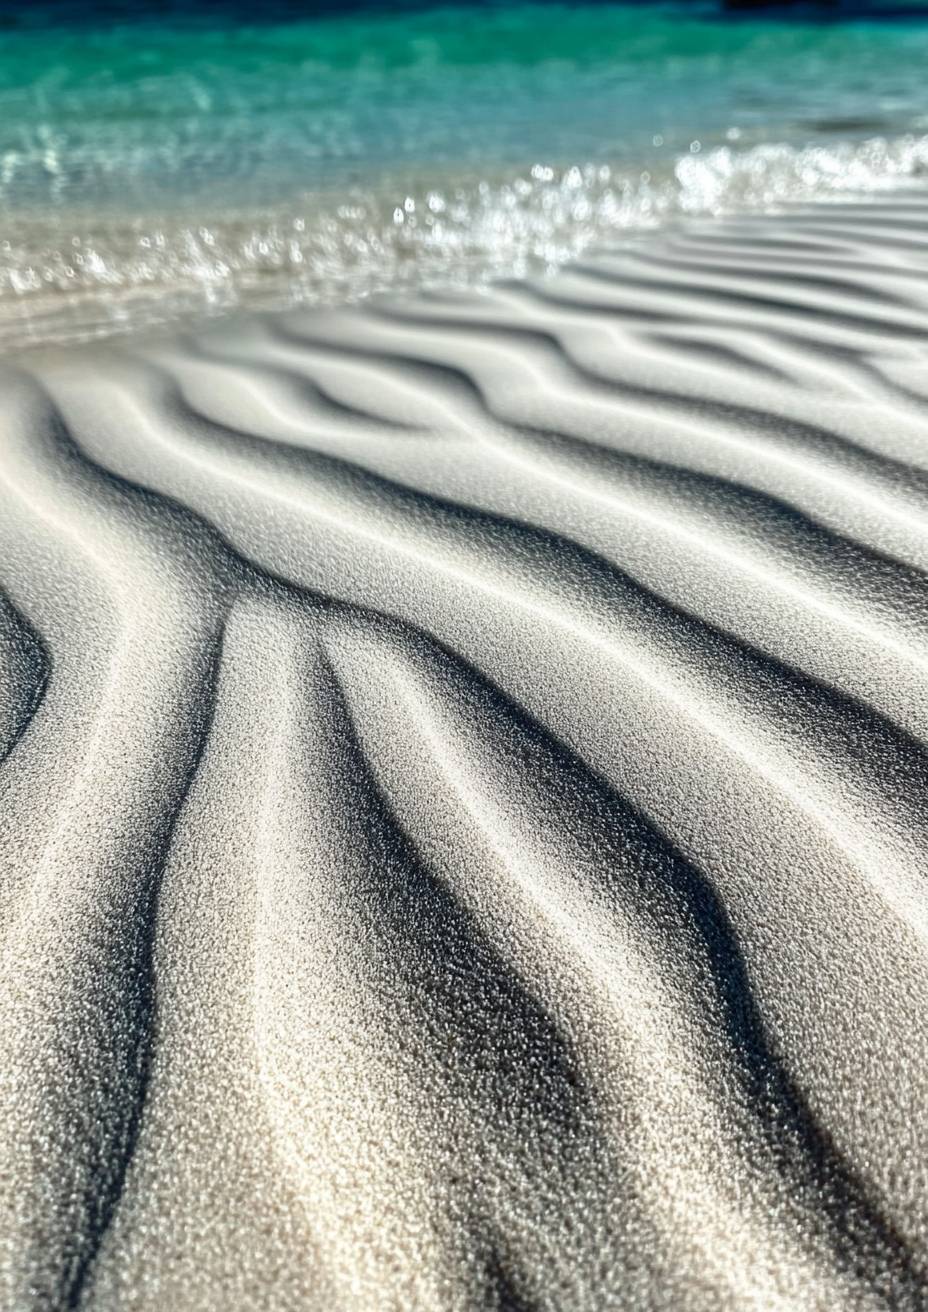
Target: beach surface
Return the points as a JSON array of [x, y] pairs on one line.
[[465, 792]]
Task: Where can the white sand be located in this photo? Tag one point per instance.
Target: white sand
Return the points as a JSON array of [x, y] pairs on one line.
[[464, 811]]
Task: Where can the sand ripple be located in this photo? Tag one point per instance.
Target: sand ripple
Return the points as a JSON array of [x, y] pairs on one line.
[[464, 776]]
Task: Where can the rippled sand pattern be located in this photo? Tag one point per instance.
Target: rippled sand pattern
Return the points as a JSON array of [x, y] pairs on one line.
[[465, 793]]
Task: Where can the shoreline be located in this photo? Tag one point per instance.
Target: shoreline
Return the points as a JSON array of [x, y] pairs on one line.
[[68, 279]]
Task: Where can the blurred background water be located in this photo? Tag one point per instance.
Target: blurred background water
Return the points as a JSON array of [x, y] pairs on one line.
[[212, 154]]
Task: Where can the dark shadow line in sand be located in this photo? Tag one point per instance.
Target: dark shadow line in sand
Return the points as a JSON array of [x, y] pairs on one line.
[[721, 239], [500, 1050], [448, 934], [312, 392], [751, 258], [140, 982], [755, 509], [876, 230], [747, 271], [502, 1292], [865, 219], [35, 651], [718, 354]]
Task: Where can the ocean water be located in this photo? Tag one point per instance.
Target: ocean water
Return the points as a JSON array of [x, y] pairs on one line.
[[218, 154]]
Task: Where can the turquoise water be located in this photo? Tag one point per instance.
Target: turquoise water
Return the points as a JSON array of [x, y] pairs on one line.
[[201, 159]]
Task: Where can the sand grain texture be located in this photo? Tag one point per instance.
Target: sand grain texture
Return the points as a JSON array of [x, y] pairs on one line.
[[465, 793]]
